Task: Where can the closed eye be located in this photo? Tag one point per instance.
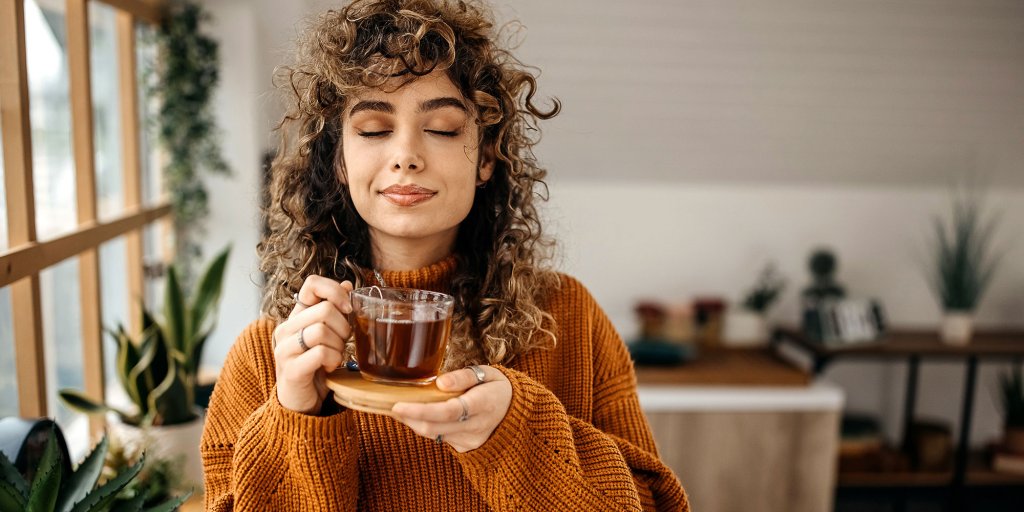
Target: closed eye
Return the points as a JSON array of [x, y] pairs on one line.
[[443, 133], [374, 134]]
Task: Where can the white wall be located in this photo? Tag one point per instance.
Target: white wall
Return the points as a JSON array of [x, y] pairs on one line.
[[700, 140]]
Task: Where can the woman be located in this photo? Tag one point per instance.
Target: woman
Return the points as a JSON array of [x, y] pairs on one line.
[[411, 165]]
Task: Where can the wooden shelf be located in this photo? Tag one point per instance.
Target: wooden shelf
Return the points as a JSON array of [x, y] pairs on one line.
[[727, 367], [900, 344], [975, 477]]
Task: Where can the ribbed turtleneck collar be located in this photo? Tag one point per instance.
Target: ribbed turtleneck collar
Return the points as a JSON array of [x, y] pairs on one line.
[[435, 277]]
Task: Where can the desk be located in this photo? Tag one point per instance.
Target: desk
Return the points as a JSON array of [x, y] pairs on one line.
[[745, 431]]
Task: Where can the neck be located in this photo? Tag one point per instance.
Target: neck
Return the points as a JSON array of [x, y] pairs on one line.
[[398, 254]]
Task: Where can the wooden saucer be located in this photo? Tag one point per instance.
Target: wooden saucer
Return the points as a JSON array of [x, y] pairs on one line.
[[353, 391]]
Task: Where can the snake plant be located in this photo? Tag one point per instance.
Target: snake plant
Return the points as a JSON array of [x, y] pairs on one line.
[[53, 490], [159, 369]]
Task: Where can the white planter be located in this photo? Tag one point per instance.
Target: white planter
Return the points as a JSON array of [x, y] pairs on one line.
[[178, 443], [957, 327], [745, 328]]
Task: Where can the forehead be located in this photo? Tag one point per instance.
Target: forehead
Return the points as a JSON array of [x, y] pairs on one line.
[[400, 90]]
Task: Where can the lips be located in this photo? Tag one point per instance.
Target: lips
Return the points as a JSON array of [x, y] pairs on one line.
[[407, 195]]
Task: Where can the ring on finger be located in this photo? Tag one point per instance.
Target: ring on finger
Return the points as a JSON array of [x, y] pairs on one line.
[[295, 296], [479, 373], [465, 410], [302, 341]]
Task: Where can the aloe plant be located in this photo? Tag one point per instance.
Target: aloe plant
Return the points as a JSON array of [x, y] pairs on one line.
[[53, 491], [962, 260], [158, 370]]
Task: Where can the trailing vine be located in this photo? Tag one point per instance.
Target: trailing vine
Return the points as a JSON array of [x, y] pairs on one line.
[[186, 74]]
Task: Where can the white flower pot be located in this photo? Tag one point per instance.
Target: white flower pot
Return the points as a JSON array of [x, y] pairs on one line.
[[745, 328], [957, 327], [174, 443]]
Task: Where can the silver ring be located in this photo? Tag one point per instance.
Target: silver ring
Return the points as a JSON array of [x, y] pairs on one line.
[[479, 372], [465, 410], [295, 296], [302, 341], [439, 439]]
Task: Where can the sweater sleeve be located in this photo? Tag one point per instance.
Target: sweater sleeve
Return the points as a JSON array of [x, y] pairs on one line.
[[542, 458], [258, 455]]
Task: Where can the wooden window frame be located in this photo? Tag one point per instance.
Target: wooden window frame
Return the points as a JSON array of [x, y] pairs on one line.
[[27, 257]]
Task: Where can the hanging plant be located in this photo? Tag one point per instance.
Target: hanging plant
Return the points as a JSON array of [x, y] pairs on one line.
[[186, 73]]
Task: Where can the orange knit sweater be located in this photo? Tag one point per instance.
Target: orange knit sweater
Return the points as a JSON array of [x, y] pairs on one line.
[[574, 437]]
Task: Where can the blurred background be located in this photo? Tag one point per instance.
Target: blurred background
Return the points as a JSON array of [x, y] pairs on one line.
[[705, 152]]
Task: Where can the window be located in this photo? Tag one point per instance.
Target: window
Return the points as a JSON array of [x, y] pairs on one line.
[[55, 33]]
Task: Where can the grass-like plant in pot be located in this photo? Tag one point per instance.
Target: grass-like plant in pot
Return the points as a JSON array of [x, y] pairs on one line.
[[1011, 387], [159, 369], [962, 264]]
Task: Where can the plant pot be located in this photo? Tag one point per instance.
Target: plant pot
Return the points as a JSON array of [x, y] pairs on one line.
[[957, 327], [1013, 440], [179, 443], [745, 328]]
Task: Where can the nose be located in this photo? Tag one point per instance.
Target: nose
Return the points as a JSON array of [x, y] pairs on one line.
[[407, 154]]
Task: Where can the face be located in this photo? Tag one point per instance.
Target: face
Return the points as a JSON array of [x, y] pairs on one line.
[[412, 160]]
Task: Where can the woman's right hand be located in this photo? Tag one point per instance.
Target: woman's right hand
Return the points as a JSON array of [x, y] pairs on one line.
[[319, 317]]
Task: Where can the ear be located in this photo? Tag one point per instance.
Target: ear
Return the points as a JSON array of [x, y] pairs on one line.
[[486, 168]]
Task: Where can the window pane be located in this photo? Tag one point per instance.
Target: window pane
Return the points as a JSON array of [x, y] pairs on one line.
[[50, 115], [106, 110], [145, 55], [114, 297], [152, 254], [8, 373], [62, 339]]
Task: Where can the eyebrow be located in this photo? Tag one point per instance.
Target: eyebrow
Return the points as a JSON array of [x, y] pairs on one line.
[[426, 106]]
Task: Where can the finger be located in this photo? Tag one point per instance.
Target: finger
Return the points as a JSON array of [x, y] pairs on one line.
[[300, 370], [461, 380], [447, 411], [450, 430], [322, 314], [316, 289]]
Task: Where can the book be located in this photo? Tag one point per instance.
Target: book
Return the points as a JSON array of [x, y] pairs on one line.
[[840, 321]]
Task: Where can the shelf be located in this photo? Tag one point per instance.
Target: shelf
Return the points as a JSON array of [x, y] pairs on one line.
[[726, 367], [974, 478], [901, 344]]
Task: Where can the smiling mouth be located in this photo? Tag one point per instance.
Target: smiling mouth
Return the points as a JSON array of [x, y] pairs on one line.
[[407, 195]]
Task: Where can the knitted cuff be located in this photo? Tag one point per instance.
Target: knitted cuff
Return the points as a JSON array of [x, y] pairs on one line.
[[511, 435]]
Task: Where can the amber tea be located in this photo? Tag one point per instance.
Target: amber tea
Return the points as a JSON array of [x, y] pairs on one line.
[[401, 334]]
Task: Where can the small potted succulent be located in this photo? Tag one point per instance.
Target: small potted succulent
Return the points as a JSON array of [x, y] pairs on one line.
[[748, 324]]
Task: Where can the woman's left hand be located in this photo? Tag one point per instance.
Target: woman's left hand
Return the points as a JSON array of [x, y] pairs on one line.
[[465, 422]]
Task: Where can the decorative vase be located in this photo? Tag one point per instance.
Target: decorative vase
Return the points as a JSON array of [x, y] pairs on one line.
[[745, 328], [957, 327], [172, 442], [1013, 440]]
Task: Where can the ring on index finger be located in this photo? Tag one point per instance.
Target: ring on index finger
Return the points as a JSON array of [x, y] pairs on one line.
[[479, 372], [295, 296]]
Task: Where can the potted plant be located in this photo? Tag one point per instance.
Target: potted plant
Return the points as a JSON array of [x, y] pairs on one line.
[[1011, 387], [962, 265], [54, 487], [748, 325], [159, 371]]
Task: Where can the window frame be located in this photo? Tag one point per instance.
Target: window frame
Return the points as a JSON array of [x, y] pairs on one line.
[[26, 257]]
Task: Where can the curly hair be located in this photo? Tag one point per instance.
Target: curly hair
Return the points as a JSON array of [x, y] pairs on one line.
[[501, 276]]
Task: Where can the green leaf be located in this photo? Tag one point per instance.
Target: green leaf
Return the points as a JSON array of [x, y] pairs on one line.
[[176, 328], [101, 497], [84, 404], [171, 504], [46, 484], [134, 504], [83, 479], [208, 294], [169, 399], [12, 477], [10, 498]]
